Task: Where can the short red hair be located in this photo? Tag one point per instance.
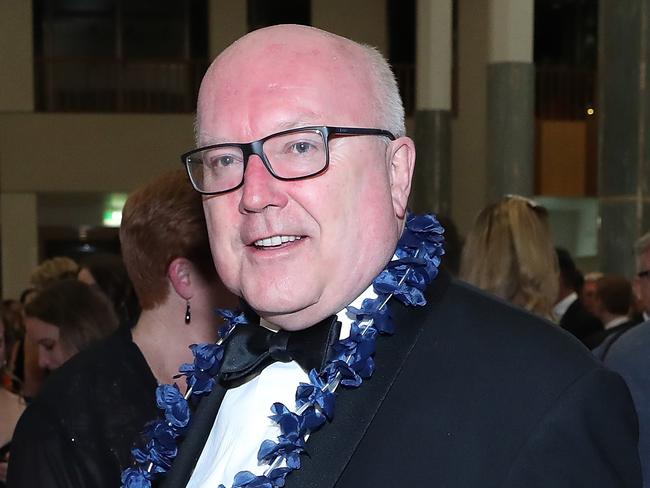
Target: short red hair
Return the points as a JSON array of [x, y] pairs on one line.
[[162, 221]]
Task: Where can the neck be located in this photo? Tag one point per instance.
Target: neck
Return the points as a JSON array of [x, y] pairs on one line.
[[164, 340]]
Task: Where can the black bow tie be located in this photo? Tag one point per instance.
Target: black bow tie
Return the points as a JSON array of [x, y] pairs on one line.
[[251, 348]]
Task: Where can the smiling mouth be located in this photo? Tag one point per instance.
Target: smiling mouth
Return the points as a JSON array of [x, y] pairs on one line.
[[275, 241]]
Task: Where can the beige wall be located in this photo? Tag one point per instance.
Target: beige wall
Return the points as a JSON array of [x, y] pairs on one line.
[[88, 152], [362, 20], [18, 227], [469, 126], [16, 56], [228, 22]]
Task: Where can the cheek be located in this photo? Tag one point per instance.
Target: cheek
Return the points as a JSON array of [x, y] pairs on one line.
[[221, 214]]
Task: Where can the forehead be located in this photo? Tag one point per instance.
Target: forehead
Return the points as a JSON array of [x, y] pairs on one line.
[[41, 329], [276, 83]]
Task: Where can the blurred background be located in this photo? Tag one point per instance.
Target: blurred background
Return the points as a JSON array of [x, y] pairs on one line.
[[543, 98]]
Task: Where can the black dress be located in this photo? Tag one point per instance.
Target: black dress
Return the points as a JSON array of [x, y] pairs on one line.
[[80, 428]]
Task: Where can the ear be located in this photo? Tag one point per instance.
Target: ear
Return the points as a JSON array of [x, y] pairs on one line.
[[401, 163], [636, 288], [179, 273]]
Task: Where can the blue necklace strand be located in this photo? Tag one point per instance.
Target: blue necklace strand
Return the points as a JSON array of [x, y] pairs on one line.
[[418, 255]]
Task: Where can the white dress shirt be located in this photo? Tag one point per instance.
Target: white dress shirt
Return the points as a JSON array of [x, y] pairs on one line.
[[563, 305], [615, 322], [243, 419]]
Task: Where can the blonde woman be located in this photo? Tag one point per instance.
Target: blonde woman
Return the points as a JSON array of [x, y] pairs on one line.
[[509, 252]]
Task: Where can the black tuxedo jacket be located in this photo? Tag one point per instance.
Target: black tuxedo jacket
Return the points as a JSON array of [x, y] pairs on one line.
[[469, 392], [579, 322]]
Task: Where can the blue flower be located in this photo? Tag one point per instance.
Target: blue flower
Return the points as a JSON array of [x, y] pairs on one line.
[[316, 393], [136, 477], [275, 479], [170, 399], [233, 319], [207, 362]]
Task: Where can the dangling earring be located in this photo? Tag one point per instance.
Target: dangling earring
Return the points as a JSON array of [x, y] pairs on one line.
[[188, 313]]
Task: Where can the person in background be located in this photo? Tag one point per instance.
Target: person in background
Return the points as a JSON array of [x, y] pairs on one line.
[[14, 327], [11, 407], [569, 310], [81, 429], [509, 252], [589, 290], [107, 272], [641, 283], [66, 317], [612, 308], [48, 271], [53, 269]]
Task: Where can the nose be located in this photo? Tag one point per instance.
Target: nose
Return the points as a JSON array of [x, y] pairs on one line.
[[43, 360], [261, 190]]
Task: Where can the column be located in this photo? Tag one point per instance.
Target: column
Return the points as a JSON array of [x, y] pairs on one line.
[[510, 98], [16, 56], [19, 230], [432, 183], [624, 124]]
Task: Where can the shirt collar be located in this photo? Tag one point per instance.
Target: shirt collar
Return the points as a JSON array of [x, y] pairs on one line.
[[563, 305], [615, 322]]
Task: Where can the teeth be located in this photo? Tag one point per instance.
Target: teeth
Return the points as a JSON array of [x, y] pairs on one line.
[[275, 241]]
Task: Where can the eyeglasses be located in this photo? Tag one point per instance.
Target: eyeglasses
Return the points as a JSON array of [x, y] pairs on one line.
[[292, 154], [644, 274]]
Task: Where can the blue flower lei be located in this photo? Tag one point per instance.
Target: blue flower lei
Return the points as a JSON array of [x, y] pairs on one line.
[[418, 255]]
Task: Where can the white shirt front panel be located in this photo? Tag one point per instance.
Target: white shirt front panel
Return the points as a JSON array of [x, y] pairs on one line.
[[243, 423]]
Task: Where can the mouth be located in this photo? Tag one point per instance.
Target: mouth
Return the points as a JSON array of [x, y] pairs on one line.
[[274, 242]]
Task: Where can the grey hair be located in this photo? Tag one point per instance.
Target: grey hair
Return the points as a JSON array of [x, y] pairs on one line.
[[388, 100], [642, 245]]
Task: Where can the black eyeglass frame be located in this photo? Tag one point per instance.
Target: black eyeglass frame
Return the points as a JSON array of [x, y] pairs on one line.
[[644, 274], [255, 147]]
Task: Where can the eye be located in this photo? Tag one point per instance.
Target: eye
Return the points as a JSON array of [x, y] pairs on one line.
[[302, 147], [222, 160], [48, 345]]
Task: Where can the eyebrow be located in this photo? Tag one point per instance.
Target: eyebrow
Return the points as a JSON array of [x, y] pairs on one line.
[[207, 140]]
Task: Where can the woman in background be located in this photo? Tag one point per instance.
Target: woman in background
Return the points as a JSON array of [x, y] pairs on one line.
[[11, 407], [66, 317], [80, 430], [509, 252]]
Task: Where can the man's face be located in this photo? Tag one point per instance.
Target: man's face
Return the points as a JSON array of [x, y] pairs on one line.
[[589, 296], [642, 284], [347, 219]]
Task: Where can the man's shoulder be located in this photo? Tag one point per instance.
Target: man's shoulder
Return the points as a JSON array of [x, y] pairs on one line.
[[630, 347], [492, 331], [87, 373]]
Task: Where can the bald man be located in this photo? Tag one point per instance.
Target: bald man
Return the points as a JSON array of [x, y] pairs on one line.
[[305, 169]]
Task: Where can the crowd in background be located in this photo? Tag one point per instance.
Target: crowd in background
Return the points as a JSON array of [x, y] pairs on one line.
[[72, 305]]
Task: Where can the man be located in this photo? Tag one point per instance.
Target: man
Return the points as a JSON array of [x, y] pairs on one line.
[[468, 391], [627, 354], [588, 292], [569, 310], [641, 282], [612, 307]]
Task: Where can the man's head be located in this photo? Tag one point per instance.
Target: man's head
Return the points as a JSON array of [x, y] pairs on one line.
[[571, 279], [341, 226], [161, 221], [590, 290], [613, 297], [642, 279]]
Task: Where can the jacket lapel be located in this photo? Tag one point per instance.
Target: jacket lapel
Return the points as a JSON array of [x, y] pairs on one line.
[[192, 445], [330, 450]]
